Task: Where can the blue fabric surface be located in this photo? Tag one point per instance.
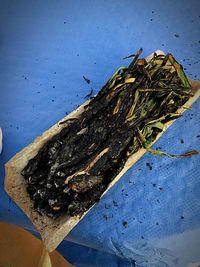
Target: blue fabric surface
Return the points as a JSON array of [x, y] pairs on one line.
[[45, 49]]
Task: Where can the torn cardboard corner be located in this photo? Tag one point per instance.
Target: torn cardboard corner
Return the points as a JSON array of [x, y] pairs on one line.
[[53, 231]]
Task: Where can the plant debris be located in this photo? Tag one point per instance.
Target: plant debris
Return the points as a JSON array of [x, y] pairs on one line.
[[125, 224], [90, 93], [105, 217], [149, 165], [115, 203], [73, 169], [86, 79]]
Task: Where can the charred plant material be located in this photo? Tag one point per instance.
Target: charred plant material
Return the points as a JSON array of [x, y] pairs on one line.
[[73, 169]]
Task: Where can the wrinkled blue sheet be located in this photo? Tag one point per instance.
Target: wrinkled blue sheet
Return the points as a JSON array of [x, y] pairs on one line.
[[150, 217]]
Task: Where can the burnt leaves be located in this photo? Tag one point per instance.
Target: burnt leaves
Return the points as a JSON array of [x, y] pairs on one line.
[[73, 169]]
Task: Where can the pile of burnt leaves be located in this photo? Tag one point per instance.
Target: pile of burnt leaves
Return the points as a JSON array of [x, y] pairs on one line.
[[73, 169]]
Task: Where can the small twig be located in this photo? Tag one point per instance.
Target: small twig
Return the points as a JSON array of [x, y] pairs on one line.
[[86, 79], [90, 93], [132, 55]]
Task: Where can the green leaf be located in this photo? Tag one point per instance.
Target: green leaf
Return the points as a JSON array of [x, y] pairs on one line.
[[180, 72], [130, 116], [115, 75], [158, 125], [161, 153]]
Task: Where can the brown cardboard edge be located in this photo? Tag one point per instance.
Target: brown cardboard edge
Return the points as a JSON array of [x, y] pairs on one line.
[[51, 231], [54, 231]]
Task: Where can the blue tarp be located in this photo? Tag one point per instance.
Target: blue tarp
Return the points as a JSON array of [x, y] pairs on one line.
[[151, 217]]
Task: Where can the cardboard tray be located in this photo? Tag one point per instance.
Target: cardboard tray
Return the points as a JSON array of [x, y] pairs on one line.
[[53, 231]]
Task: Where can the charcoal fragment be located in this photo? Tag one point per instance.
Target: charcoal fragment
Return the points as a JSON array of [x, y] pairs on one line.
[[125, 224]]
